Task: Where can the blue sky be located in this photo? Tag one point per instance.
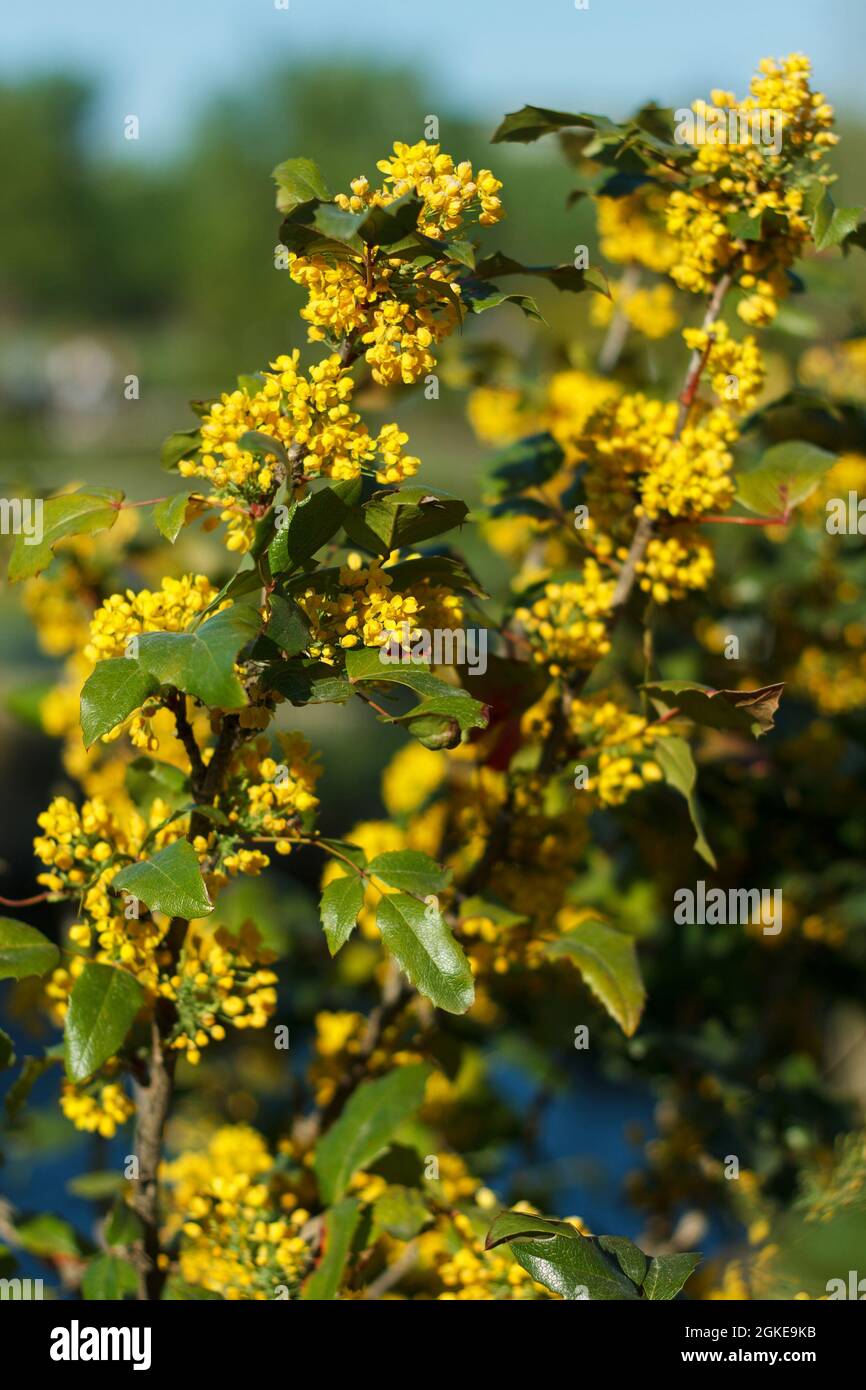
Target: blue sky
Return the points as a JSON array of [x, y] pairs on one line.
[[161, 59]]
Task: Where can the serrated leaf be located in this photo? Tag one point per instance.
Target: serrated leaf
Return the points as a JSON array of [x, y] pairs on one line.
[[201, 662], [410, 871], [558, 1256], [667, 1274], [420, 940], [831, 225], [365, 1128], [24, 951], [102, 1009], [674, 757], [785, 476], [288, 625], [392, 520], [341, 1222], [607, 961], [562, 277], [114, 689], [339, 906], [170, 514], [170, 882], [72, 514], [744, 711], [179, 445], [108, 1278], [310, 524], [531, 122], [438, 697], [630, 1258], [299, 181]]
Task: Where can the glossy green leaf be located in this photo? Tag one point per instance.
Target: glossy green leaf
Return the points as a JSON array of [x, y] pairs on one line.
[[310, 524], [170, 882], [420, 940], [607, 961], [299, 181], [72, 514], [102, 1009], [201, 662], [288, 625], [341, 1222], [340, 904], [391, 520], [558, 1256], [410, 871], [179, 445], [169, 515], [667, 1274], [365, 1128], [114, 689], [630, 1258], [24, 951]]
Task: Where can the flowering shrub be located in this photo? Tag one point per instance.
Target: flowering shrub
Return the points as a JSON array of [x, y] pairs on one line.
[[474, 898]]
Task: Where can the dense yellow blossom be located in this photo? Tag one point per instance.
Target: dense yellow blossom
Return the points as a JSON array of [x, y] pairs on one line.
[[567, 623], [97, 1109]]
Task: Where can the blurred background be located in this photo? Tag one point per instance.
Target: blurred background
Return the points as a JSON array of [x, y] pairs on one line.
[[153, 257]]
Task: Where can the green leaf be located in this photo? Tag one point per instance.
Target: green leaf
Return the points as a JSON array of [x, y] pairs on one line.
[[123, 1226], [341, 1222], [309, 525], [108, 1278], [307, 683], [170, 514], [400, 1212], [370, 1120], [607, 960], [744, 227], [527, 463], [558, 1256], [201, 662], [831, 225], [562, 277], [47, 1236], [439, 569], [438, 696], [264, 446], [288, 625], [146, 779], [179, 445], [631, 1260], [744, 711], [7, 1051], [667, 1274], [531, 122], [340, 904], [674, 757], [299, 181], [169, 882], [785, 476], [410, 871], [102, 1009], [73, 514], [391, 520], [419, 939], [114, 689], [24, 951]]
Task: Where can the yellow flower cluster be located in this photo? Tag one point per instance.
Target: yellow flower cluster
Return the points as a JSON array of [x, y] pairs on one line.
[[651, 311], [448, 192], [632, 454], [623, 745], [674, 565], [339, 1039], [219, 980], [367, 612], [748, 176], [240, 1235], [838, 368], [96, 1109], [567, 624], [735, 370], [271, 796], [632, 229], [170, 608]]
